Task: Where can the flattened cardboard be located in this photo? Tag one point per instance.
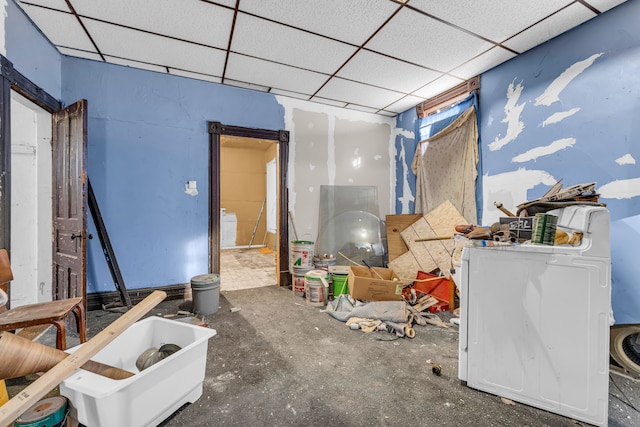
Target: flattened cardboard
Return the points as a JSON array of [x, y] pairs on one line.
[[439, 222]]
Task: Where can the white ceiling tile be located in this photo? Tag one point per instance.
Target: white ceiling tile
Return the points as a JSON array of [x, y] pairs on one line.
[[496, 20], [289, 94], [53, 4], [151, 49], [404, 104], [358, 93], [361, 108], [328, 101], [62, 29], [195, 21], [196, 76], [482, 63], [424, 41], [135, 64], [353, 21], [438, 86], [275, 42], [273, 75], [378, 70], [562, 21], [246, 85], [80, 53], [604, 5]]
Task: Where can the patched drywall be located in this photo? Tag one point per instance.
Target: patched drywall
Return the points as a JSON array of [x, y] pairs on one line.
[[332, 146]]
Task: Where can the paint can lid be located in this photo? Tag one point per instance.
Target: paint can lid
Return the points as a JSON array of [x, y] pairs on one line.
[[48, 412]]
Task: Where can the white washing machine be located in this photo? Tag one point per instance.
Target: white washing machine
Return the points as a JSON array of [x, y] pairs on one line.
[[534, 319]]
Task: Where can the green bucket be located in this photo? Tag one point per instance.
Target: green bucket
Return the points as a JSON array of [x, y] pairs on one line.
[[339, 284]]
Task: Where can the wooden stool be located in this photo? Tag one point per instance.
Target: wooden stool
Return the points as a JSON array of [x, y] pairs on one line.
[[52, 312]]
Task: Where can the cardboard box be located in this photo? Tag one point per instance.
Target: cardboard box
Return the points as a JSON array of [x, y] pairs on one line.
[[365, 285], [520, 227]]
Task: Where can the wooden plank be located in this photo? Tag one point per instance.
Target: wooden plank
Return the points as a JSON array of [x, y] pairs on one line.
[[395, 224], [54, 376]]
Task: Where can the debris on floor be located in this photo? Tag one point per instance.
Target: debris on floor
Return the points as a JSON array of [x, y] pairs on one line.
[[395, 317]]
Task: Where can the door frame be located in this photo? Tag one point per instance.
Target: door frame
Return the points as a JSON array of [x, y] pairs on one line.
[[281, 137], [12, 79]]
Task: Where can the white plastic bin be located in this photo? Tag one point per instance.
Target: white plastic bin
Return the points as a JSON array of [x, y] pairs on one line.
[[150, 396]]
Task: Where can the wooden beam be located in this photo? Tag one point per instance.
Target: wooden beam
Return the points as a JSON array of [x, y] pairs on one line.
[[54, 376], [445, 99]]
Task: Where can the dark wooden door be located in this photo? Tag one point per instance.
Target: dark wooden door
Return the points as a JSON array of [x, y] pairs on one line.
[[69, 201]]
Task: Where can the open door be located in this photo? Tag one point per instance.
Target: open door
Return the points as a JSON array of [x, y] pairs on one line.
[[69, 201]]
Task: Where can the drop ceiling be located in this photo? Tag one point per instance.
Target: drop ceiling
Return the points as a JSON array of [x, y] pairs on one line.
[[378, 56]]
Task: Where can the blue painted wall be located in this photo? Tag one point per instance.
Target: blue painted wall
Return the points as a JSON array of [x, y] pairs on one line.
[[29, 52], [603, 100], [148, 138]]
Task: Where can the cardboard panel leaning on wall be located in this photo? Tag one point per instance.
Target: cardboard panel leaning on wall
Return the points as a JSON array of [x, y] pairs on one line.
[[243, 189]]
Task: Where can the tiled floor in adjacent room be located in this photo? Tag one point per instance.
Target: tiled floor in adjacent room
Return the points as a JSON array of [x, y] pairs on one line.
[[247, 268]]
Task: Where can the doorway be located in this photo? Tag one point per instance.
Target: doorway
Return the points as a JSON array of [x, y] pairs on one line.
[[248, 201], [275, 142], [42, 130], [31, 201]]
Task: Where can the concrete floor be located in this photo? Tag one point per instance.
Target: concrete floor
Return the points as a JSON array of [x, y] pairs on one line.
[[276, 361]]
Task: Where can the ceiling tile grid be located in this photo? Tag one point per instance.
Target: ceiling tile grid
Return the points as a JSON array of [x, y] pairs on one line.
[[131, 44], [357, 93], [194, 21], [273, 75], [378, 56], [61, 28], [416, 38], [352, 21], [383, 71], [496, 20], [267, 40], [551, 27]]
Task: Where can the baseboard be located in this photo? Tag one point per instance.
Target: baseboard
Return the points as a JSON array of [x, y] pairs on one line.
[[99, 300]]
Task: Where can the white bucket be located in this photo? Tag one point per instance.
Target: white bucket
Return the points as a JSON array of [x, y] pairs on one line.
[[316, 287], [297, 282], [302, 254]]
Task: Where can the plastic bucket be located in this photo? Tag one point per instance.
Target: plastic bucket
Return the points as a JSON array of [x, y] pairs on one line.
[[316, 287], [339, 284], [324, 263], [205, 290], [298, 280], [302, 253]]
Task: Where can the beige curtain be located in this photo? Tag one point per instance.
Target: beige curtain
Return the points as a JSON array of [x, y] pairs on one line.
[[447, 169]]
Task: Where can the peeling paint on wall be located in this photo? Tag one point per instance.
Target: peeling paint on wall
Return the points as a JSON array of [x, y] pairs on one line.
[[510, 189], [558, 117], [552, 148], [552, 94], [627, 159], [407, 194], [620, 189], [512, 112]]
